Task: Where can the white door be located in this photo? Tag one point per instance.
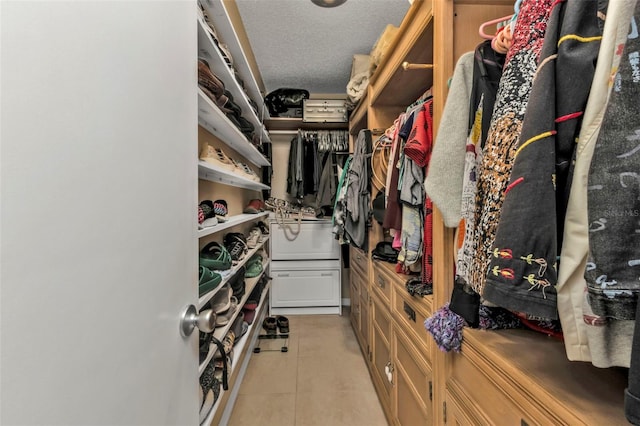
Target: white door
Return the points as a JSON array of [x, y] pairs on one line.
[[98, 185]]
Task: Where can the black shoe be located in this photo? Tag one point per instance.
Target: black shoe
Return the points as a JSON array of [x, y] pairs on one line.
[[269, 324], [283, 324]]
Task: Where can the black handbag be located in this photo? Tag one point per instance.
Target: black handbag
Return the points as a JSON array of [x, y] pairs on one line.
[[280, 100]]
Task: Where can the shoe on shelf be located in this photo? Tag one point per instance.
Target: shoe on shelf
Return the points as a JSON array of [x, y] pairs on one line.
[[237, 283], [224, 318], [216, 157], [269, 324], [283, 324], [236, 244], [254, 266], [254, 238], [221, 210], [237, 326], [208, 280], [215, 257], [221, 301], [249, 314], [255, 206], [209, 81], [263, 227]]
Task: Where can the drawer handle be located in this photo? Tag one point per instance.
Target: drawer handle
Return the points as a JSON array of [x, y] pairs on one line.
[[283, 275], [380, 282], [326, 274], [410, 312]]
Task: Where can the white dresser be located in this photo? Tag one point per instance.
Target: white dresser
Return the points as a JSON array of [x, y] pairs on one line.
[[305, 270]]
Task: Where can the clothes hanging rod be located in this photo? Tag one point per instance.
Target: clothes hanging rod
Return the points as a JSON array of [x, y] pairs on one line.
[[283, 132], [409, 66]]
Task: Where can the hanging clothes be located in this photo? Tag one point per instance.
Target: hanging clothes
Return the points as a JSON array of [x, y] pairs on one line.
[[613, 199], [588, 337], [327, 186], [358, 194], [443, 183], [506, 124], [522, 271], [295, 176]]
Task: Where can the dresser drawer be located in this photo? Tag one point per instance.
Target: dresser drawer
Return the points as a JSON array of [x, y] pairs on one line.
[[382, 281], [315, 241], [414, 382], [410, 313], [381, 317], [359, 261], [473, 382]]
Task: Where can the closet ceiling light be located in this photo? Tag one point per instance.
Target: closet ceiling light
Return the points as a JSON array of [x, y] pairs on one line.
[[328, 3]]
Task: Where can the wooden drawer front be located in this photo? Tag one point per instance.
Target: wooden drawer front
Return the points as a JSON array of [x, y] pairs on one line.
[[487, 399], [382, 281], [409, 408], [410, 313], [355, 283], [381, 358], [414, 382], [381, 318], [364, 320], [456, 413], [355, 309], [359, 261]]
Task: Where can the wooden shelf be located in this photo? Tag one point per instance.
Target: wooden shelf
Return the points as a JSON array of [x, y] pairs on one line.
[[281, 123], [211, 118], [210, 172], [358, 118], [209, 51], [390, 84]]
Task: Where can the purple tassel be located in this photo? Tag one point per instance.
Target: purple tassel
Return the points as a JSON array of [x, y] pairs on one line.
[[446, 328]]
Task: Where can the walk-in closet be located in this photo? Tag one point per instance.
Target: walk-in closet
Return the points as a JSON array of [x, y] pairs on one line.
[[320, 212]]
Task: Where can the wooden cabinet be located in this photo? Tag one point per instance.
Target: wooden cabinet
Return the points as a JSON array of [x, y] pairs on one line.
[[511, 377], [360, 299]]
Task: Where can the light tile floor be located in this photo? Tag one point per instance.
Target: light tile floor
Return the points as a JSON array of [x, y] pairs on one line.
[[322, 379]]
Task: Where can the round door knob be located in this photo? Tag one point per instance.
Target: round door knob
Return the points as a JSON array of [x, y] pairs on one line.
[[205, 321]]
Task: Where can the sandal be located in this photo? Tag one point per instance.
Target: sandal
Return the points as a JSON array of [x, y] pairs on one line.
[[215, 256]]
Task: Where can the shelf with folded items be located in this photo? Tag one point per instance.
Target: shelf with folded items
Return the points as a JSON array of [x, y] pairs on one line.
[[240, 359], [220, 332], [216, 122], [208, 50], [234, 269], [211, 172], [231, 222]]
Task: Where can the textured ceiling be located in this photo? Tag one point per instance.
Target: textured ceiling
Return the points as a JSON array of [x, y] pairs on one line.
[[298, 44]]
